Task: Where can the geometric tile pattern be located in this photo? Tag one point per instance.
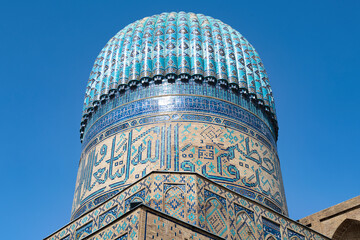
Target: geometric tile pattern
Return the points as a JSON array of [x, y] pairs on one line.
[[271, 229], [215, 214], [294, 235], [84, 231], [208, 205], [270, 238], [174, 202], [123, 237], [123, 228], [208, 194], [239, 209], [191, 104], [245, 227], [107, 217], [107, 114], [137, 197], [169, 229]]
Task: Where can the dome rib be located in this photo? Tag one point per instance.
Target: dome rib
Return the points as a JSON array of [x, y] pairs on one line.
[[184, 65], [220, 59], [146, 49], [114, 62], [256, 73], [208, 50], [230, 59], [248, 66], [106, 69], [240, 67]]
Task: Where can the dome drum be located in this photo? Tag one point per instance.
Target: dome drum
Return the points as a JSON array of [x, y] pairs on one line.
[[211, 81], [131, 110]]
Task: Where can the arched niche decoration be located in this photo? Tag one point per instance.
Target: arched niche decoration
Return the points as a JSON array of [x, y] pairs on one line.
[[132, 200], [215, 215], [348, 229], [245, 227], [108, 216], [174, 202], [270, 238], [137, 199]]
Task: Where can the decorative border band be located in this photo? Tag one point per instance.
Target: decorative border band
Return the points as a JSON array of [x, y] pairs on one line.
[[176, 88], [165, 104]]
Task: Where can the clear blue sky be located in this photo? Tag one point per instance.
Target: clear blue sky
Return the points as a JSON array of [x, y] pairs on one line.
[[310, 50]]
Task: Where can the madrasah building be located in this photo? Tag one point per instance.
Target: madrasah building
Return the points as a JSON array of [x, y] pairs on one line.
[[179, 135]]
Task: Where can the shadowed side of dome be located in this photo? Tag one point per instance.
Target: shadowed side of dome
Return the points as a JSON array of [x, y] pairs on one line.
[[178, 46]]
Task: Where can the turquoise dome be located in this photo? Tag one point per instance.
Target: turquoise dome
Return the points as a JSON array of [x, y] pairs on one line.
[[173, 46]]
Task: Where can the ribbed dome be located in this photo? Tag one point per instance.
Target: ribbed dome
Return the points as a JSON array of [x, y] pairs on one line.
[[178, 45]]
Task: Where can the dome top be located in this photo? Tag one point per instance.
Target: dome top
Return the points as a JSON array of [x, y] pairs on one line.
[[178, 45]]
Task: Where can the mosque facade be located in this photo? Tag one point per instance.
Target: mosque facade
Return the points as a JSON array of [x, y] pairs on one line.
[[179, 135]]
